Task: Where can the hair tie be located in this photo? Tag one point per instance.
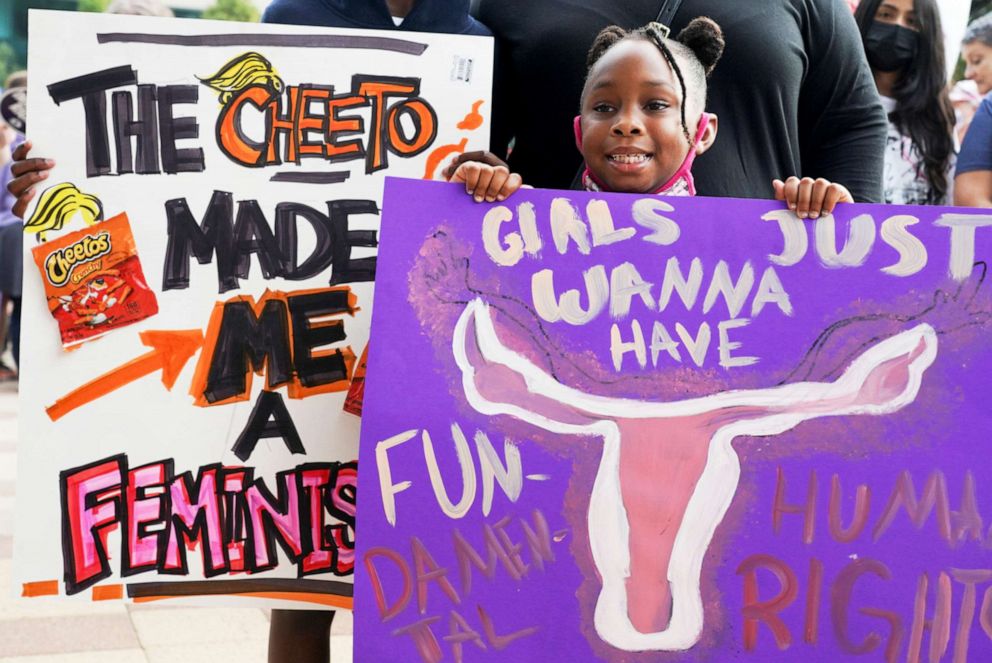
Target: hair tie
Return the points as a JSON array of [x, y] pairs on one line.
[[661, 27]]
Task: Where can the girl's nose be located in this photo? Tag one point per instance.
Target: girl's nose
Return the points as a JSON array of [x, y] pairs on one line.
[[628, 124]]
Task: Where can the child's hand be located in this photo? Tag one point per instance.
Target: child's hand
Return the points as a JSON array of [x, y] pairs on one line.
[[27, 173], [486, 182], [810, 198]]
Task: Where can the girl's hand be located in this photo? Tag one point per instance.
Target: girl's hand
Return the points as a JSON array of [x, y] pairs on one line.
[[810, 198], [486, 182], [27, 173]]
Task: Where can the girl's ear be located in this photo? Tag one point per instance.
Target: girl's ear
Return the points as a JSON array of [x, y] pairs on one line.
[[707, 133]]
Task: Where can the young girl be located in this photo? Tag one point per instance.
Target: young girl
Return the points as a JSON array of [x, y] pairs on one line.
[[642, 122]]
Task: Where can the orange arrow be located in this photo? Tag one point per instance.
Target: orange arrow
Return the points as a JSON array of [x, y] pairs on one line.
[[170, 350]]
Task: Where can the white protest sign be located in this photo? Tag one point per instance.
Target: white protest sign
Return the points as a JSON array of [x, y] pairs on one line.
[[195, 442]]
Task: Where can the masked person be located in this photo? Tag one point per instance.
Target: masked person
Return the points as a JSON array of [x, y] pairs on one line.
[[905, 48]]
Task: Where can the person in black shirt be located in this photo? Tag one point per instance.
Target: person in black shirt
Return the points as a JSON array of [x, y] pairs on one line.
[[643, 122], [793, 91], [449, 16]]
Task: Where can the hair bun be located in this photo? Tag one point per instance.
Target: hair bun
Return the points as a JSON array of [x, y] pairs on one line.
[[704, 38], [606, 38]]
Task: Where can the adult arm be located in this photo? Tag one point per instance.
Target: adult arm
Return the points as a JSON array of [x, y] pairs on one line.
[[973, 189], [973, 182], [24, 174], [842, 124]]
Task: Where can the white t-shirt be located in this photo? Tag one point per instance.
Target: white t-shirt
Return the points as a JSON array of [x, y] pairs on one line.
[[904, 181], [397, 21]]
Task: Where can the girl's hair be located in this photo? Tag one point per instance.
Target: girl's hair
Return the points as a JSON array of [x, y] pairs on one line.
[[699, 45], [923, 107], [979, 30]]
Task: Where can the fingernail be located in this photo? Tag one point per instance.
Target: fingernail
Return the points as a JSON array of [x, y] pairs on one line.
[[792, 206], [501, 197], [802, 215], [43, 174], [478, 199], [814, 215], [49, 162]]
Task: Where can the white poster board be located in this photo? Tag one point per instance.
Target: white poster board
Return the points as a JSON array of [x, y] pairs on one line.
[[201, 449]]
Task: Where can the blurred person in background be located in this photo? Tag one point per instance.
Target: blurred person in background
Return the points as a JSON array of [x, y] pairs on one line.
[[448, 16], [973, 182], [976, 51], [904, 43], [965, 99], [10, 242]]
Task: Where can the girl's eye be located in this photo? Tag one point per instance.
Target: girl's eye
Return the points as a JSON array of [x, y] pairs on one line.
[[602, 108], [656, 105]]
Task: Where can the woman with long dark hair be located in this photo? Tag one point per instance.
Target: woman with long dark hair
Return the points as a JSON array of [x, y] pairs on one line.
[[905, 48]]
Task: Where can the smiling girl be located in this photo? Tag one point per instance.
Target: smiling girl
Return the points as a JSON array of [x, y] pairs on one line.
[[642, 122]]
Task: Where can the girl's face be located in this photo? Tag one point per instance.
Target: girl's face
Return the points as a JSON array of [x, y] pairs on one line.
[[898, 12], [632, 137], [978, 65]]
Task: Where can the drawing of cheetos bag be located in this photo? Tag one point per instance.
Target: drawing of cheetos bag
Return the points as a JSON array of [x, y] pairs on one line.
[[93, 280], [356, 391]]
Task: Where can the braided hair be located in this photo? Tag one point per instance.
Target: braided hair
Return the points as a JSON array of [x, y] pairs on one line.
[[699, 45]]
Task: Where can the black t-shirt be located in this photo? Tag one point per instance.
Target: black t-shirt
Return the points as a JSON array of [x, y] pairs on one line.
[[450, 16], [793, 92]]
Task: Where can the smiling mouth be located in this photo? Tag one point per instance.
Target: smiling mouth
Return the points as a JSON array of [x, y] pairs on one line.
[[629, 158]]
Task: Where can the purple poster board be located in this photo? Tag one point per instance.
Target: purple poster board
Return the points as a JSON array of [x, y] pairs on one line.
[[627, 428]]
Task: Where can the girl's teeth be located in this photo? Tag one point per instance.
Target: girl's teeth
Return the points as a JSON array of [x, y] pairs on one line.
[[629, 158]]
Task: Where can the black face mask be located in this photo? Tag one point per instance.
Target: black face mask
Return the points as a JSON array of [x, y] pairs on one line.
[[890, 47]]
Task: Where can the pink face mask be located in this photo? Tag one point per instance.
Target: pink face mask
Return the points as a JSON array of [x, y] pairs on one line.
[[680, 184]]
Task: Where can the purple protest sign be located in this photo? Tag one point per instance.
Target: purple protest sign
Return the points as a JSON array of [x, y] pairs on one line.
[[627, 428]]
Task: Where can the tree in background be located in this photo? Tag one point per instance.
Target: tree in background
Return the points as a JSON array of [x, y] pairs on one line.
[[9, 62], [232, 10], [92, 5]]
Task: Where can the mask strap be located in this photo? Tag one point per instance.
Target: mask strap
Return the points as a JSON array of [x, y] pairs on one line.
[[685, 170], [586, 173]]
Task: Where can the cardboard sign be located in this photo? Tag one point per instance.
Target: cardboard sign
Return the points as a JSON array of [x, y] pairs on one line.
[[633, 428], [204, 450]]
